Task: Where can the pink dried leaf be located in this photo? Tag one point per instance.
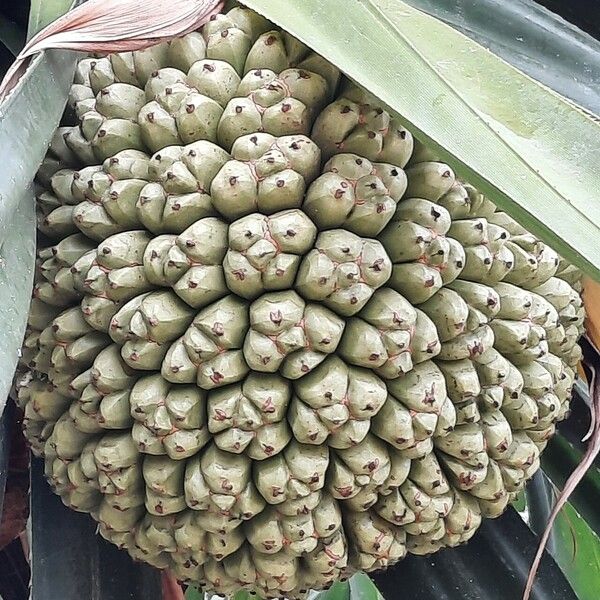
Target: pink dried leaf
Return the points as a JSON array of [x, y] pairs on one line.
[[171, 590], [107, 26], [578, 474]]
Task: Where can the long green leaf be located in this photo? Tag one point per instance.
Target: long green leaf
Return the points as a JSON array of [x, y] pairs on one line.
[[17, 252], [338, 591], [362, 588], [532, 39], [559, 460], [43, 12], [577, 552], [574, 545], [529, 150], [28, 119]]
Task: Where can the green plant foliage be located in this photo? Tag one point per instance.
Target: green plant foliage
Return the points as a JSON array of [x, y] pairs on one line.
[[362, 588], [573, 544], [538, 42], [559, 461], [244, 596], [193, 594], [27, 122], [533, 153], [16, 278], [338, 591], [43, 12], [577, 552]]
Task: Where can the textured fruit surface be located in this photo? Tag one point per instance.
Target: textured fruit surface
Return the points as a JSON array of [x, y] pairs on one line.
[[273, 341]]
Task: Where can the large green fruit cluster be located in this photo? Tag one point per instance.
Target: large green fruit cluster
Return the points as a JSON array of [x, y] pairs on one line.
[[273, 340]]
